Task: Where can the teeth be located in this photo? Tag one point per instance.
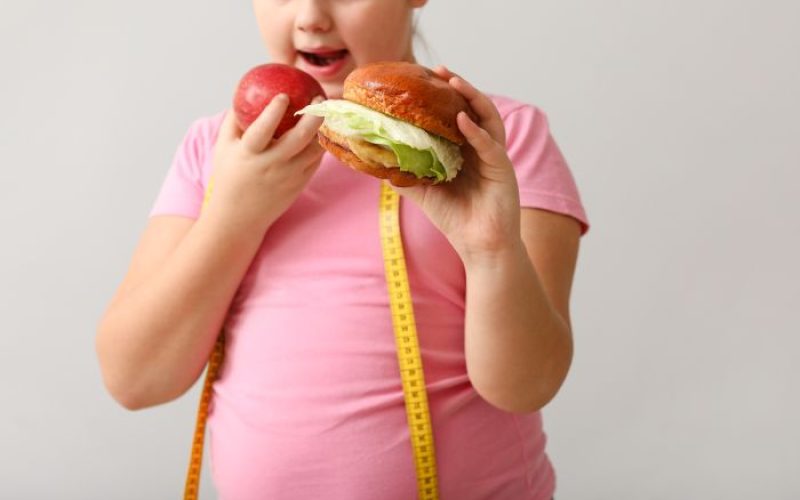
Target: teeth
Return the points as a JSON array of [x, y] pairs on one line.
[[318, 60], [321, 60]]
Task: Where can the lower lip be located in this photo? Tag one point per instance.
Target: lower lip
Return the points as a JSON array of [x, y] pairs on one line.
[[321, 72]]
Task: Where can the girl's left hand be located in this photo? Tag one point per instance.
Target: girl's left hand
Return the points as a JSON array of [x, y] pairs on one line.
[[479, 211]]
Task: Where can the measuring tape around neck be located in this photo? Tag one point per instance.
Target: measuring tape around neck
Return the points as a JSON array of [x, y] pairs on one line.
[[408, 355]]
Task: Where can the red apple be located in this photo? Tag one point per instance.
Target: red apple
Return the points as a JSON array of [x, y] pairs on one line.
[[259, 85]]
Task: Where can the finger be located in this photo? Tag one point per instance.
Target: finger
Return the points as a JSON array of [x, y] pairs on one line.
[[486, 111], [299, 136], [259, 134], [307, 157], [443, 72], [487, 148], [313, 166], [229, 130], [308, 161], [413, 193], [488, 116]]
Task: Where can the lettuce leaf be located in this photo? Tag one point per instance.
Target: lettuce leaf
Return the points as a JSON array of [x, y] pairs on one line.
[[417, 151]]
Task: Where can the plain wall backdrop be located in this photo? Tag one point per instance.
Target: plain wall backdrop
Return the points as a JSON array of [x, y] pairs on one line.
[[680, 120]]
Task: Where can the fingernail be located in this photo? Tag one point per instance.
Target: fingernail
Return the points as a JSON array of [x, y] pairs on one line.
[[318, 99]]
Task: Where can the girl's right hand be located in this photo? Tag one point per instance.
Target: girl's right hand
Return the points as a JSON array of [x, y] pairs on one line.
[[256, 178]]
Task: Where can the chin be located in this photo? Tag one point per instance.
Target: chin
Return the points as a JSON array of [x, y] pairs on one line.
[[333, 90]]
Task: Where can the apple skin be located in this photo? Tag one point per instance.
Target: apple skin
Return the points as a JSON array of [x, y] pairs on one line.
[[260, 84]]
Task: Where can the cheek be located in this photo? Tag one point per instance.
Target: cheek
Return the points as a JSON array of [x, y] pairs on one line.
[[382, 41], [376, 30], [276, 33], [280, 49]]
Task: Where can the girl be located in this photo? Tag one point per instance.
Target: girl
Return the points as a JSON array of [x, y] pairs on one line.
[[286, 260]]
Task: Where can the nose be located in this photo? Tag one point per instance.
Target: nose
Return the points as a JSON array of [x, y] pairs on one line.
[[313, 17]]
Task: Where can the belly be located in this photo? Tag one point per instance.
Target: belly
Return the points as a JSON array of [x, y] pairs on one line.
[[310, 405]]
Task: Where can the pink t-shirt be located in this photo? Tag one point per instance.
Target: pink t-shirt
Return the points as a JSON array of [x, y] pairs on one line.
[[309, 403]]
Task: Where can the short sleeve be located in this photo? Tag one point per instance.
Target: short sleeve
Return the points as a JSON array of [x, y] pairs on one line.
[[545, 180], [183, 187]]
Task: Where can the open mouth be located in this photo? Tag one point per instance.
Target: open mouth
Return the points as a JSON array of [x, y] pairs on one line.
[[323, 58]]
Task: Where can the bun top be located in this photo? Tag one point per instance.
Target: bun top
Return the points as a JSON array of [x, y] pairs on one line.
[[411, 93]]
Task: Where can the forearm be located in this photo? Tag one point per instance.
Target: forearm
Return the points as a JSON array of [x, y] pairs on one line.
[[518, 349], [155, 339]]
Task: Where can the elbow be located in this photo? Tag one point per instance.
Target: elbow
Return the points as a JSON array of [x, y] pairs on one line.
[[123, 391], [123, 383], [519, 401], [521, 391], [109, 370], [129, 400], [131, 395]]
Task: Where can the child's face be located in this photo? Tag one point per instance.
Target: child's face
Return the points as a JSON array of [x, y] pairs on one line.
[[330, 38]]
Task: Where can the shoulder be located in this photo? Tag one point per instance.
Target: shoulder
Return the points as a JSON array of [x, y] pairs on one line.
[[523, 121], [187, 177], [544, 177], [508, 107], [192, 158], [526, 124], [204, 129], [195, 150]]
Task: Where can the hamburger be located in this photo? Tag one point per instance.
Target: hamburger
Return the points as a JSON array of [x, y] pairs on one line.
[[396, 121]]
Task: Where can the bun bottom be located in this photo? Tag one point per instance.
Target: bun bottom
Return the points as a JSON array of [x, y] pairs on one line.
[[393, 174]]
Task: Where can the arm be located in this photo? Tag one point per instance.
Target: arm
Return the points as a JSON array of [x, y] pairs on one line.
[[519, 266], [158, 331], [518, 337]]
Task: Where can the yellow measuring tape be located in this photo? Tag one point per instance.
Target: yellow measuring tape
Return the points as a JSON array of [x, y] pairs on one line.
[[408, 356], [192, 487], [408, 352]]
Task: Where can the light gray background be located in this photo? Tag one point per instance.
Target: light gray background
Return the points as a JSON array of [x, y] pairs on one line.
[[680, 121]]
